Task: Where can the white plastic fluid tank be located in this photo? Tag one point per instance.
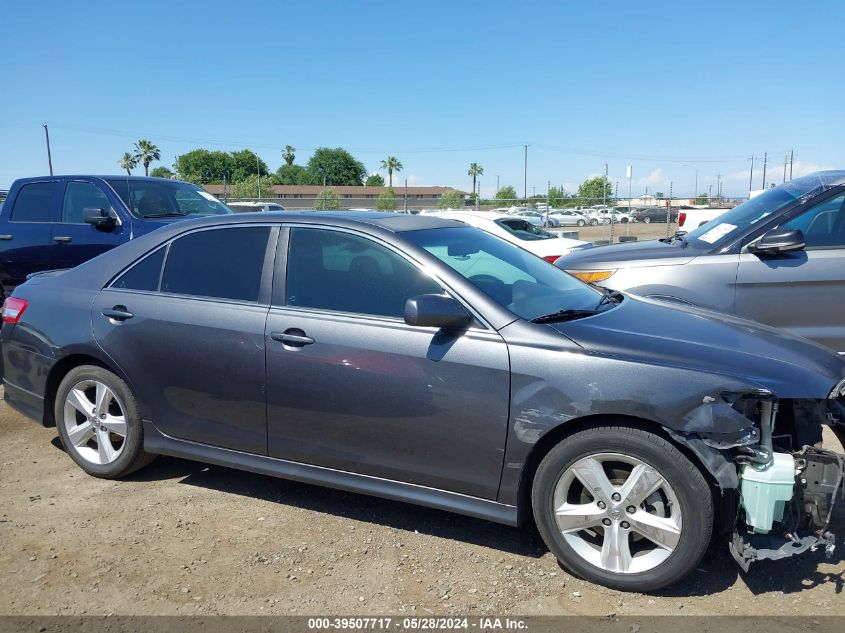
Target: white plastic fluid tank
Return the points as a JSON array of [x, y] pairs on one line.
[[765, 491]]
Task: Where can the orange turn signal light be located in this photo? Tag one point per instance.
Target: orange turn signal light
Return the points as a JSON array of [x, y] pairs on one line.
[[592, 276]]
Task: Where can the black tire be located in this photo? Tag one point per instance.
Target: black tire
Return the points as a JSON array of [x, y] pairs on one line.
[[694, 496], [132, 456], [647, 220], [581, 223], [594, 222]]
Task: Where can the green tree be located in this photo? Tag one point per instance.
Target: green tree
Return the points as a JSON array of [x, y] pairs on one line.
[[702, 198], [145, 153], [451, 200], [386, 200], [245, 163], [290, 175], [374, 180], [289, 155], [475, 170], [506, 193], [327, 199], [557, 197], [161, 172], [391, 164], [248, 188], [201, 166], [595, 190], [336, 167], [128, 163]]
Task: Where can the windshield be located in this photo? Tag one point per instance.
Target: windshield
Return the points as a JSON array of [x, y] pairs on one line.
[[164, 198], [730, 224], [521, 282]]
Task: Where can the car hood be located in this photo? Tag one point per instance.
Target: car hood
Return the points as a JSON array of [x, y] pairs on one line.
[[647, 253], [692, 338]]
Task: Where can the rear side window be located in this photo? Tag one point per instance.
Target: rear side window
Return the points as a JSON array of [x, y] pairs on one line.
[[144, 275], [220, 263], [35, 203]]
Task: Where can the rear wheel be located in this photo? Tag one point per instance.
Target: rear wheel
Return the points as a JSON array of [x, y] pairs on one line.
[[99, 423], [594, 222], [581, 223], [623, 507], [647, 220]]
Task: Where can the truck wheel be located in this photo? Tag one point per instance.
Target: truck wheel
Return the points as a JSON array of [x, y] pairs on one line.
[[623, 508], [99, 423]]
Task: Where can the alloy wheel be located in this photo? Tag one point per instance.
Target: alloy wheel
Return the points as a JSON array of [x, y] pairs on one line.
[[95, 422]]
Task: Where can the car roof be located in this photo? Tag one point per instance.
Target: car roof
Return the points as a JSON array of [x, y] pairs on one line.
[[101, 177]]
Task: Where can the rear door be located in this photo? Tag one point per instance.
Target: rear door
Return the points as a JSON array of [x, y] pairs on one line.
[[802, 292], [74, 240], [192, 344], [26, 234]]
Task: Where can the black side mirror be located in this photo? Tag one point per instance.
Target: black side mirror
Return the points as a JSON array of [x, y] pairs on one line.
[[438, 311], [777, 241], [99, 218]]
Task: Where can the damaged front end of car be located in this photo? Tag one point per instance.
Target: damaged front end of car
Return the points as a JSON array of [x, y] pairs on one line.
[[769, 450]]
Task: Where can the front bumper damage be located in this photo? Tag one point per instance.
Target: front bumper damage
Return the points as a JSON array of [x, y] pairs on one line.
[[780, 487]]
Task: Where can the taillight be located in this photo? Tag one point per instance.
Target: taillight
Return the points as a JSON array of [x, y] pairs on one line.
[[682, 218], [13, 309], [552, 258]]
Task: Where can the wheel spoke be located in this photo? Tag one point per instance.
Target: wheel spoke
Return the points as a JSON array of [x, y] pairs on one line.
[[104, 447], [80, 434], [641, 483], [114, 423], [662, 532], [572, 517], [590, 472], [79, 401], [616, 549], [104, 398]]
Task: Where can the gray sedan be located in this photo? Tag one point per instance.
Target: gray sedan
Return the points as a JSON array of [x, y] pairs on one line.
[[778, 258]]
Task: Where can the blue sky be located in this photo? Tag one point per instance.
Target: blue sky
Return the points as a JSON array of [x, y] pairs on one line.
[[438, 84]]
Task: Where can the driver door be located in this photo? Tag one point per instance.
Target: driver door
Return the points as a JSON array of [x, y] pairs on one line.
[[802, 292]]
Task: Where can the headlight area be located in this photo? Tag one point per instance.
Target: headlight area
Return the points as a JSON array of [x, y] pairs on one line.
[[788, 485]]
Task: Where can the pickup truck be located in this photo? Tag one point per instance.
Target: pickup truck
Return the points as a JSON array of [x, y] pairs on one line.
[[689, 219], [60, 221]]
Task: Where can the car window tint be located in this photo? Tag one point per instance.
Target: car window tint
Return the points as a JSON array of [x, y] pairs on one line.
[[330, 270], [144, 275], [220, 263], [80, 196], [34, 203], [823, 225]]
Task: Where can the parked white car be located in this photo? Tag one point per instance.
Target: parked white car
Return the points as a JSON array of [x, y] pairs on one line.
[[519, 231], [249, 207], [570, 217]]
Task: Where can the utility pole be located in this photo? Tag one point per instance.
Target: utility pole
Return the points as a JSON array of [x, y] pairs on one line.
[[497, 183], [406, 195], [785, 159], [604, 198], [477, 194], [791, 154], [669, 208], [548, 193], [751, 177], [525, 174], [765, 160], [49, 155], [258, 171]]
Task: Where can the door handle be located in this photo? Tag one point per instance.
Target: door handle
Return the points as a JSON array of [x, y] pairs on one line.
[[293, 337], [63, 239], [6, 237], [118, 313]]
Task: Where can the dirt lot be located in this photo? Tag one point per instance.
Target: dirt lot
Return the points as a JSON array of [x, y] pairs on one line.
[[184, 538]]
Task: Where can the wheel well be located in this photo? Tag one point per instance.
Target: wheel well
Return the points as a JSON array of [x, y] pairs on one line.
[[57, 374], [560, 432]]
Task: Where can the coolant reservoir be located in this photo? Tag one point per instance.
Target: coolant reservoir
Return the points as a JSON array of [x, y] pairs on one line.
[[765, 491]]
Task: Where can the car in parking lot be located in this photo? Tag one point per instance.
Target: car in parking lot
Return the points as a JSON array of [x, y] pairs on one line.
[[536, 218], [778, 258], [519, 231], [247, 207], [647, 215], [569, 217], [421, 359]]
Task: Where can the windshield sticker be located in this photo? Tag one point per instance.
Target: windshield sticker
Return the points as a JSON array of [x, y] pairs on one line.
[[717, 233], [207, 196]]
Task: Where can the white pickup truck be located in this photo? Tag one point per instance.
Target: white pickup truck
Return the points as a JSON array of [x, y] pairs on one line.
[[689, 219]]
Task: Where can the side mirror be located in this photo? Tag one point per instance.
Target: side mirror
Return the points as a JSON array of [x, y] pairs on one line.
[[436, 311], [99, 218], [777, 241]]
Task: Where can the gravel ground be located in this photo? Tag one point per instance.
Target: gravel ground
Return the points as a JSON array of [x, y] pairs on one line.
[[184, 538]]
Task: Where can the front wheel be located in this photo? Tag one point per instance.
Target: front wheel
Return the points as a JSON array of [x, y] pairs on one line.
[[647, 220], [581, 223], [594, 222], [623, 507]]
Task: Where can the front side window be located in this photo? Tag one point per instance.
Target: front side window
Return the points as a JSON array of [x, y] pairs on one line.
[[823, 225], [218, 263], [521, 282], [35, 203], [165, 198], [331, 270], [80, 196]]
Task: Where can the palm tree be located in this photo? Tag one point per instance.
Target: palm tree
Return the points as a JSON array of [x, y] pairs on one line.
[[289, 154], [475, 170], [128, 163], [391, 164], [145, 153]]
